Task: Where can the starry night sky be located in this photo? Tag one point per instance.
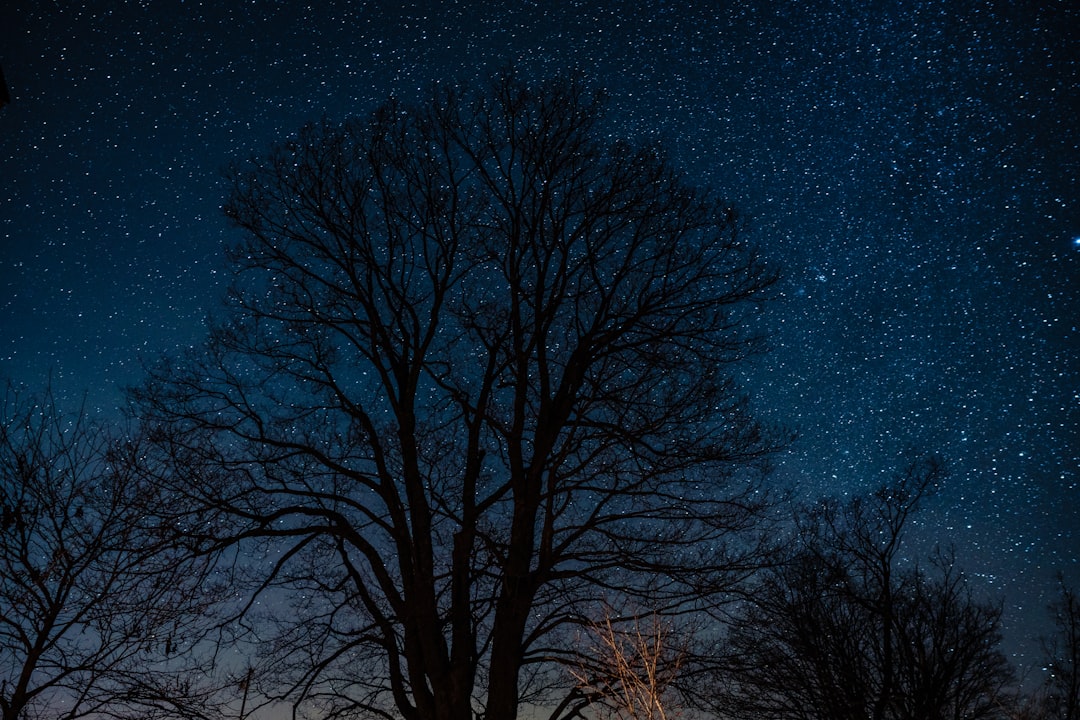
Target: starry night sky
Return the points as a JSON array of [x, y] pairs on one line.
[[912, 169]]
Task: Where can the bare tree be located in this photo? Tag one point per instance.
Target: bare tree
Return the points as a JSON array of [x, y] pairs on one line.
[[96, 608], [1059, 698], [850, 628], [629, 668], [473, 383]]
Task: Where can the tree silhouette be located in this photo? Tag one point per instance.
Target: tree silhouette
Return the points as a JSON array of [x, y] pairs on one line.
[[472, 387], [851, 628], [1060, 696], [96, 607]]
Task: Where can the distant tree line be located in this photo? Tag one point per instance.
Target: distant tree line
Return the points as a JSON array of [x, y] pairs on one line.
[[467, 440]]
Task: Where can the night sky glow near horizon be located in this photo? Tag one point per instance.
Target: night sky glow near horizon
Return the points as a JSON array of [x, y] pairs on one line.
[[911, 167]]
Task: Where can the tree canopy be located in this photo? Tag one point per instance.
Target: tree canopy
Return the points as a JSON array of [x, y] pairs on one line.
[[472, 388], [98, 606], [851, 626]]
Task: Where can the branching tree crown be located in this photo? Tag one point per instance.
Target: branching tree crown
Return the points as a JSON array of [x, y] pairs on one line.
[[96, 605], [848, 628], [472, 389], [1060, 696]]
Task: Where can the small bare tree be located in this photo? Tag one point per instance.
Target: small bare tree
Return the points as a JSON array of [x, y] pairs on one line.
[[847, 629], [630, 668], [1059, 698], [96, 606]]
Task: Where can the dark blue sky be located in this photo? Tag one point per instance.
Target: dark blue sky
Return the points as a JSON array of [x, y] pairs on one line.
[[912, 168]]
